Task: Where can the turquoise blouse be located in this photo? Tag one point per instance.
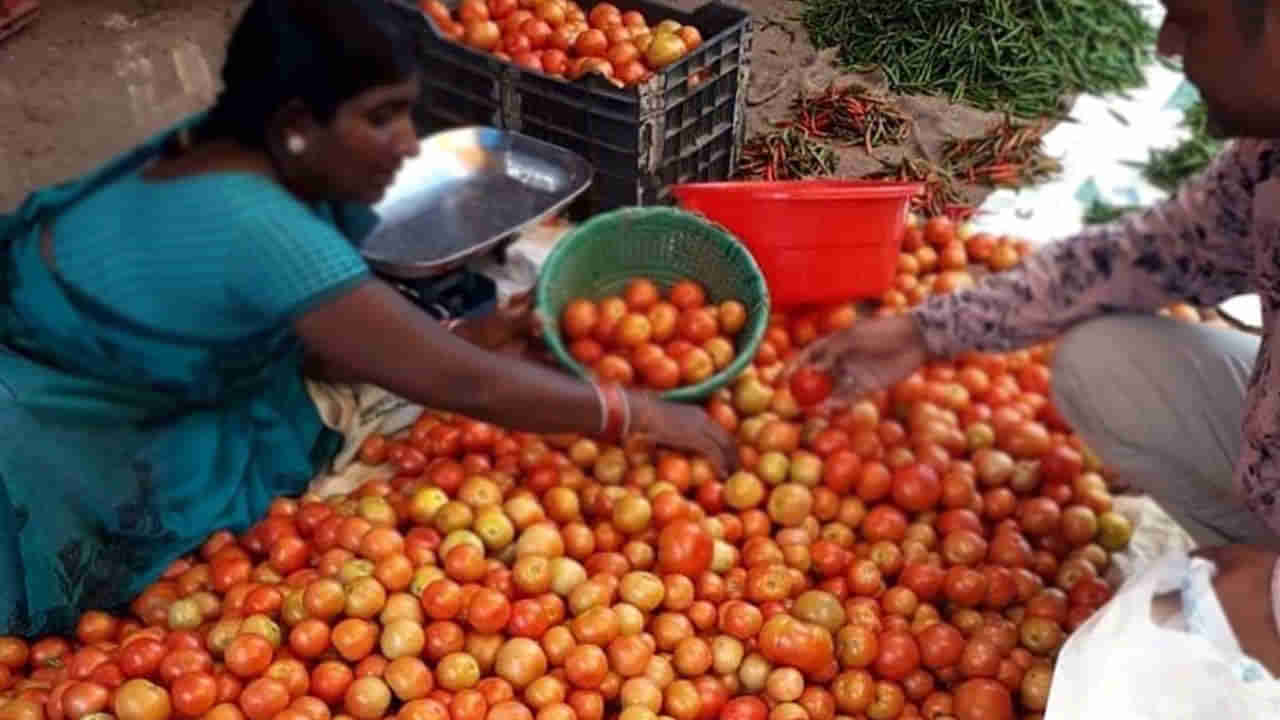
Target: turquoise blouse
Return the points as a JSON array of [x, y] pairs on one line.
[[150, 388]]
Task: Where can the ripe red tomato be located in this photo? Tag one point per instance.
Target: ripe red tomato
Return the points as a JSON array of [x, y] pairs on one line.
[[84, 662], [810, 386], [687, 293], [95, 627], [884, 522], [745, 708], [50, 651], [527, 619], [916, 487], [248, 655], [941, 646], [499, 9], [142, 700], [899, 655], [1063, 464], [141, 657], [194, 694], [330, 680], [1090, 591], [786, 640], [13, 652], [924, 580], [84, 698], [181, 662], [488, 611], [684, 548], [264, 698], [983, 699]]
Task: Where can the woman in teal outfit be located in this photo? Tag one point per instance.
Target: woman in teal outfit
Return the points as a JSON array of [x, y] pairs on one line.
[[156, 315]]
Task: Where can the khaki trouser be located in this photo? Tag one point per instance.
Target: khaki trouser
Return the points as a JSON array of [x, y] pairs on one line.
[[1162, 403]]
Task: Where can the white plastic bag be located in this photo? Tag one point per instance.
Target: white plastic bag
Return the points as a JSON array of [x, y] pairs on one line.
[[1155, 535], [1123, 664]]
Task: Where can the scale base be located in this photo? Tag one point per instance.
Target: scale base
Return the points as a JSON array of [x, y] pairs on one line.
[[458, 294]]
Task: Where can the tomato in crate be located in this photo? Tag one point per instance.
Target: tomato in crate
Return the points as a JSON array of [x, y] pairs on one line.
[[648, 106]]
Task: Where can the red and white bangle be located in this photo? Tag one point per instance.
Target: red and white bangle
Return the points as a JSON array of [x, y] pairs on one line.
[[625, 431], [604, 408], [1275, 595], [617, 412]]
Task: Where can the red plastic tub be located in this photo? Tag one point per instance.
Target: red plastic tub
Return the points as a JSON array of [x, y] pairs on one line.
[[817, 241]]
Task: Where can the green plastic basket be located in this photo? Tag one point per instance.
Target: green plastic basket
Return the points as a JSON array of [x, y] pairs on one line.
[[666, 245]]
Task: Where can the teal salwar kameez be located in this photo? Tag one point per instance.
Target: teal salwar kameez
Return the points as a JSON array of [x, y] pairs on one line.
[[150, 380]]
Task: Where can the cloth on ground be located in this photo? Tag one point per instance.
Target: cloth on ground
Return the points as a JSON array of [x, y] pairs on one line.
[[358, 411], [355, 412]]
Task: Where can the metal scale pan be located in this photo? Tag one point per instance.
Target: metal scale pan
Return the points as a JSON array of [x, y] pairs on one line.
[[468, 190]]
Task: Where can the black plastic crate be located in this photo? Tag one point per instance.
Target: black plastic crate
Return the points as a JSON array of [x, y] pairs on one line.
[[685, 123]]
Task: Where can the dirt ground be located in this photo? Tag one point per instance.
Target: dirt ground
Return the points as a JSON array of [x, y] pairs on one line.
[[92, 77], [785, 64]]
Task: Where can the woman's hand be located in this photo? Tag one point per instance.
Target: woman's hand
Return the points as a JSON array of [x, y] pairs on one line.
[[389, 342], [870, 356], [683, 427], [506, 330], [1243, 583]]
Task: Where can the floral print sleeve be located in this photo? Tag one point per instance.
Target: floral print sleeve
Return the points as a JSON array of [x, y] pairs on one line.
[[1196, 246]]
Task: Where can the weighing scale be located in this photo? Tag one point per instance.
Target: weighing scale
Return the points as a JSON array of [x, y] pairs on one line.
[[467, 195]]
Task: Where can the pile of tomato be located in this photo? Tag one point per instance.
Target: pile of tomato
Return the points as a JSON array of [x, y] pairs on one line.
[[921, 554], [559, 38], [642, 337]]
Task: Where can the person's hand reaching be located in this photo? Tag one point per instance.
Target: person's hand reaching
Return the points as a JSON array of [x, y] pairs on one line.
[[683, 427], [872, 355], [1243, 583], [506, 330]]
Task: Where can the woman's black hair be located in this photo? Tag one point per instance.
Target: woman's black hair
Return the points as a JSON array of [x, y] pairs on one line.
[[1251, 15], [322, 52]]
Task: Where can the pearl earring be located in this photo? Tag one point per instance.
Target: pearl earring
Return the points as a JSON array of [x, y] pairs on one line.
[[296, 144]]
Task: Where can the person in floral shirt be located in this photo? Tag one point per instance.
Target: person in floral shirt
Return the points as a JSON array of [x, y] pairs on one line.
[[1189, 414]]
